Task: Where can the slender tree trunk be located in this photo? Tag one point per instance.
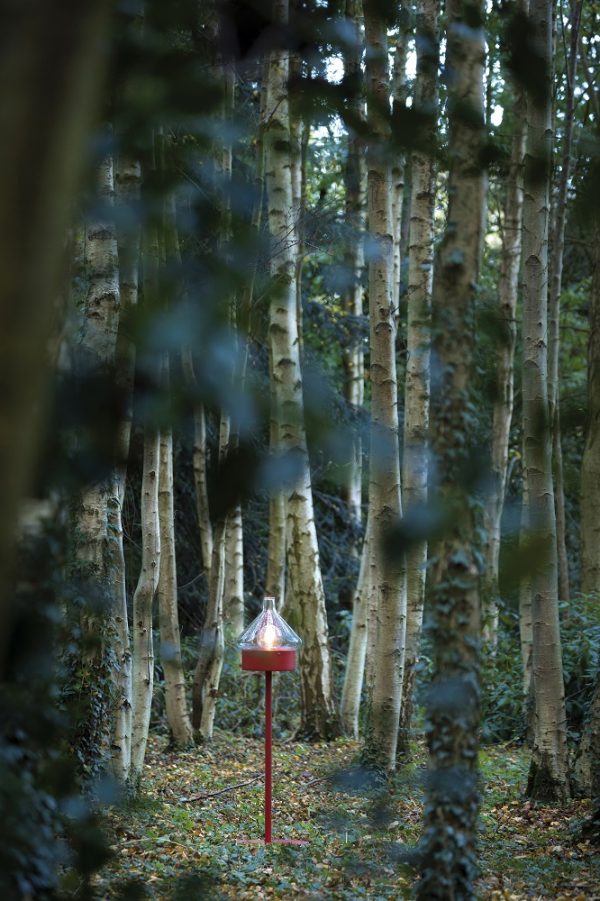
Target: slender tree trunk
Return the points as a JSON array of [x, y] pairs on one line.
[[142, 669], [234, 568], [558, 246], [548, 778], [418, 337], [96, 357], [318, 712], [399, 95], [354, 182], [276, 548], [143, 600], [385, 506], [508, 287], [525, 598], [357, 649], [200, 464], [212, 645], [170, 642], [452, 717], [127, 181]]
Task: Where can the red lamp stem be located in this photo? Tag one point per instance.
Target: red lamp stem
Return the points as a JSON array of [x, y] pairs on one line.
[[268, 755]]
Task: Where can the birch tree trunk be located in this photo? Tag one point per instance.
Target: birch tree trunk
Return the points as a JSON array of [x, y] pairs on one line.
[[525, 600], [127, 182], [234, 569], [353, 360], [385, 506], [357, 649], [548, 778], [508, 285], [452, 715], [354, 183], [97, 355], [418, 338], [276, 548], [399, 95], [558, 246], [318, 712], [170, 641], [142, 669]]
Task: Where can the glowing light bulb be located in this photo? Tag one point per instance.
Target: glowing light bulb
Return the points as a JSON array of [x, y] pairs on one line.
[[269, 636]]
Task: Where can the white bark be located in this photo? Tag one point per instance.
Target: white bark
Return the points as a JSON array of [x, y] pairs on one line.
[[505, 354], [385, 507], [127, 183], [548, 774], [418, 337], [143, 599], [355, 187], [170, 641], [97, 346], [357, 649], [234, 572], [559, 220], [318, 714]]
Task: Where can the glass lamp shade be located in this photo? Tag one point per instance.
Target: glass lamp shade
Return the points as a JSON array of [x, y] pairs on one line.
[[268, 643]]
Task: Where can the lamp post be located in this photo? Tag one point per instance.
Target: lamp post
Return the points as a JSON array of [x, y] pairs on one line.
[[269, 645]]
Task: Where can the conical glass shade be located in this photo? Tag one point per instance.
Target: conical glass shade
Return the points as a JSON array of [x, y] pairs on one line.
[[269, 631]]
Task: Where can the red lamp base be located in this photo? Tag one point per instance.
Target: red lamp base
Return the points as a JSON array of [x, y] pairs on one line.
[[274, 841], [275, 660]]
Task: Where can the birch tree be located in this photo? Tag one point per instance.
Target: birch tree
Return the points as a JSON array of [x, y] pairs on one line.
[[318, 712], [127, 184], [170, 642], [558, 247], [97, 356], [142, 669], [353, 361], [548, 778], [418, 338], [508, 286], [389, 588], [452, 714]]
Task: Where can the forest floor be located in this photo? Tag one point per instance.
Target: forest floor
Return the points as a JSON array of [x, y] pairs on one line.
[[184, 839]]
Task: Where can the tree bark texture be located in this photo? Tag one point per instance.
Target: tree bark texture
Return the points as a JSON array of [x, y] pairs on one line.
[[142, 669], [233, 605], [97, 520], [452, 710], [418, 339], [127, 191], [318, 713], [170, 641], [354, 182], [143, 600], [357, 649], [548, 779], [385, 508], [508, 287], [558, 247], [51, 67]]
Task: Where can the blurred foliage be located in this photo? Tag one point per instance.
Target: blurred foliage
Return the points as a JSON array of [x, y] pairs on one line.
[[501, 672]]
